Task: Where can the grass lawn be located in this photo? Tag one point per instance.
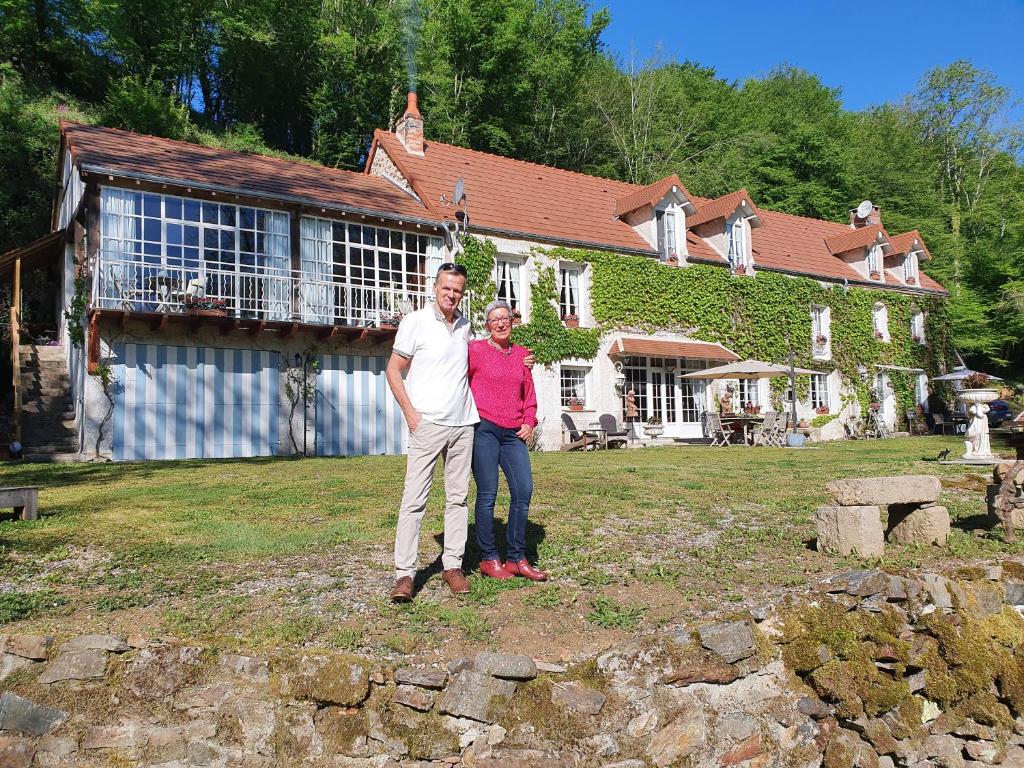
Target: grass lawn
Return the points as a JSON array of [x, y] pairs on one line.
[[265, 553]]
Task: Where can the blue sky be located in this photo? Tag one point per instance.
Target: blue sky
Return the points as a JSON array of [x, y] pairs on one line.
[[876, 55]]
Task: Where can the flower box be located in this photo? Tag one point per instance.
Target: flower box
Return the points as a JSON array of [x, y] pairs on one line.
[[822, 409], [575, 407], [206, 312], [875, 275], [517, 317], [911, 281], [571, 321], [740, 270], [821, 340]]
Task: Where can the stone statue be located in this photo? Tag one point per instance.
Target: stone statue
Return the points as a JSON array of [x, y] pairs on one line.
[[977, 445], [632, 412], [1009, 498]]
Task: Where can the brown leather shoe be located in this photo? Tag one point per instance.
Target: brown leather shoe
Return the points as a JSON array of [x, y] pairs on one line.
[[527, 571], [494, 569], [456, 581], [402, 592]]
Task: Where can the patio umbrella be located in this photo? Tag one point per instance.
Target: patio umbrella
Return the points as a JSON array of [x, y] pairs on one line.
[[756, 369], [960, 373]]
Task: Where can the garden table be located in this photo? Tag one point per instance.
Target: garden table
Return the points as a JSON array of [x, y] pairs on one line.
[[743, 420]]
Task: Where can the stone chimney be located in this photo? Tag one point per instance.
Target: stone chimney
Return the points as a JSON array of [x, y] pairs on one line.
[[875, 217], [409, 129]]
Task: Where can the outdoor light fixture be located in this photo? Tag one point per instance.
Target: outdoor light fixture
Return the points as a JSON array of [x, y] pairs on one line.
[[862, 371], [620, 379]]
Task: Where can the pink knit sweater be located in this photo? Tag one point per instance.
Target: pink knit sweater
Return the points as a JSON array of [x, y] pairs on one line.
[[502, 386]]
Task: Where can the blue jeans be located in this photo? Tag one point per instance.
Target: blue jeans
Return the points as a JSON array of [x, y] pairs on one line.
[[495, 446]]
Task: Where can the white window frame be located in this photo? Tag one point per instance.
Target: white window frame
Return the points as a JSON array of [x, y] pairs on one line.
[[820, 391], [821, 325], [917, 326], [509, 271], [880, 322], [911, 268], [922, 391], [571, 297], [750, 387], [563, 396], [739, 253], [668, 243], [874, 261]]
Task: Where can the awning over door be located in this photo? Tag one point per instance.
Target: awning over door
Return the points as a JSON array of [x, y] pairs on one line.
[[630, 347]]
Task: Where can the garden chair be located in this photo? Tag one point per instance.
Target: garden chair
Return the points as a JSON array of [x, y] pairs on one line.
[[778, 435], [713, 428], [578, 441], [613, 433], [763, 436], [941, 425]]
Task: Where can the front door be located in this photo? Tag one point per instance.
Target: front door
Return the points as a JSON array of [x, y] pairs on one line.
[[661, 393]]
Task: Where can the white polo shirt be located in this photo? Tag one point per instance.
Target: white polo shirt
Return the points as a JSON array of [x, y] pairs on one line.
[[436, 379]]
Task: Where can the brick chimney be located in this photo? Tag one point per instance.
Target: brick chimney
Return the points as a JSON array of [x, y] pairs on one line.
[[409, 129], [875, 217]]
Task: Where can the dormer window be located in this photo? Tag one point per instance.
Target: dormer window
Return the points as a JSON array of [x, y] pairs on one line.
[[910, 268], [668, 234], [875, 262], [739, 246]]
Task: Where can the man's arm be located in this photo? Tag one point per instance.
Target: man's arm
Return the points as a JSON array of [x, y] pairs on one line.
[[397, 365]]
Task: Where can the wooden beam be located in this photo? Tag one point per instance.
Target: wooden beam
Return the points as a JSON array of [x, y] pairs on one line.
[[124, 320], [258, 328], [364, 336], [93, 351], [292, 331], [229, 328], [15, 347], [160, 324]]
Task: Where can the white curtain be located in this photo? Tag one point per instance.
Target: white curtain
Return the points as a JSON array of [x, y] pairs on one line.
[[434, 262], [315, 258], [278, 288], [514, 298], [570, 291], [117, 228]]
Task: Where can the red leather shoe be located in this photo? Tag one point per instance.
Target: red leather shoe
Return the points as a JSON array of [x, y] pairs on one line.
[[494, 569], [527, 571]]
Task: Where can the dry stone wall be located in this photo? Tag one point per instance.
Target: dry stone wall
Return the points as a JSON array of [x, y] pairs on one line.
[[869, 668]]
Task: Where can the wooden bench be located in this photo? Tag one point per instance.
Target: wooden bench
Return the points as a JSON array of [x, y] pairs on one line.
[[24, 500]]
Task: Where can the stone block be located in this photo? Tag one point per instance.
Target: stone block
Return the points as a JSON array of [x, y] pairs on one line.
[[853, 530], [732, 640], [577, 697], [34, 647], [250, 667], [419, 676], [16, 752], [9, 664], [677, 740], [414, 697], [109, 643], [884, 491], [469, 694], [24, 716], [341, 680], [76, 665], [924, 525], [505, 665]]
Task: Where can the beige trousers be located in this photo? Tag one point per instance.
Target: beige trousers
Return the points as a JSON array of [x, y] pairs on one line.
[[430, 442]]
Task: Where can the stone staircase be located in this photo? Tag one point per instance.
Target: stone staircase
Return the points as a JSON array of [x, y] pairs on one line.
[[49, 423]]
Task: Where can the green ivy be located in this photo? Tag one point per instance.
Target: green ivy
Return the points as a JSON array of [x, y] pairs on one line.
[[545, 334], [478, 258], [76, 311], [762, 316]]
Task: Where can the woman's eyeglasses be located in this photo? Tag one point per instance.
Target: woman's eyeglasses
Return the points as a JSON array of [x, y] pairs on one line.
[[450, 266], [500, 321]]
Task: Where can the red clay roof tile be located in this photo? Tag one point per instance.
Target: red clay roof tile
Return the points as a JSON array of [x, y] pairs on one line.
[[721, 208], [117, 152], [905, 242], [855, 238], [649, 195]]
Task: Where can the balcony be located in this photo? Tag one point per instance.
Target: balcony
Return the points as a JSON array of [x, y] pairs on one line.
[[254, 297]]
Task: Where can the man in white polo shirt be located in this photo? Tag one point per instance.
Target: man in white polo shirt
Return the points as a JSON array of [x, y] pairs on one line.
[[431, 348]]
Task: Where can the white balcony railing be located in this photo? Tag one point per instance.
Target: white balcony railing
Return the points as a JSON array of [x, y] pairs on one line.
[[246, 291]]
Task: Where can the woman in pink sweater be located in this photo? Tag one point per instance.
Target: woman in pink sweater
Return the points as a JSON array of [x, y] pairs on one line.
[[503, 389]]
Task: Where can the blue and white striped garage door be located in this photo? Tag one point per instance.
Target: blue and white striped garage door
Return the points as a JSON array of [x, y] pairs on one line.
[[194, 402], [355, 412]]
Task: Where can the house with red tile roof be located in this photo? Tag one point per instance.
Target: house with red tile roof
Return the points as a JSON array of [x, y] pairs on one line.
[[210, 278]]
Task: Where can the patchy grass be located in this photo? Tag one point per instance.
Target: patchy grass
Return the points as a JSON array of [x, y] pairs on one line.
[[271, 552]]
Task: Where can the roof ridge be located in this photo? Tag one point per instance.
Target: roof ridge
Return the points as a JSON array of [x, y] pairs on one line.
[[428, 142]]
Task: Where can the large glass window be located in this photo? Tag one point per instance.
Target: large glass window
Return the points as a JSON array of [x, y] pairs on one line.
[[875, 260], [360, 275], [158, 249], [880, 320], [748, 392], [917, 326]]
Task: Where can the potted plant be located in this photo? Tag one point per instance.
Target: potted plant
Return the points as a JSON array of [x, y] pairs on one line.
[[205, 306], [821, 409], [654, 427], [576, 403], [571, 321], [517, 317], [740, 269], [879, 335], [390, 320], [911, 281], [976, 393], [821, 339], [876, 275]]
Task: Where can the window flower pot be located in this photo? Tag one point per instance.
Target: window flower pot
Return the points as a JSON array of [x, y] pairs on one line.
[[197, 312], [654, 430], [571, 321], [911, 281], [821, 410], [876, 275], [740, 270], [575, 407]]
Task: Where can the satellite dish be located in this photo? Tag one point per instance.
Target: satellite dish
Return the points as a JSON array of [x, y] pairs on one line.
[[864, 209], [460, 192]]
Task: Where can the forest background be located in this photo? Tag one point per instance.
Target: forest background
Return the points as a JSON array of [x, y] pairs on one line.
[[530, 79]]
